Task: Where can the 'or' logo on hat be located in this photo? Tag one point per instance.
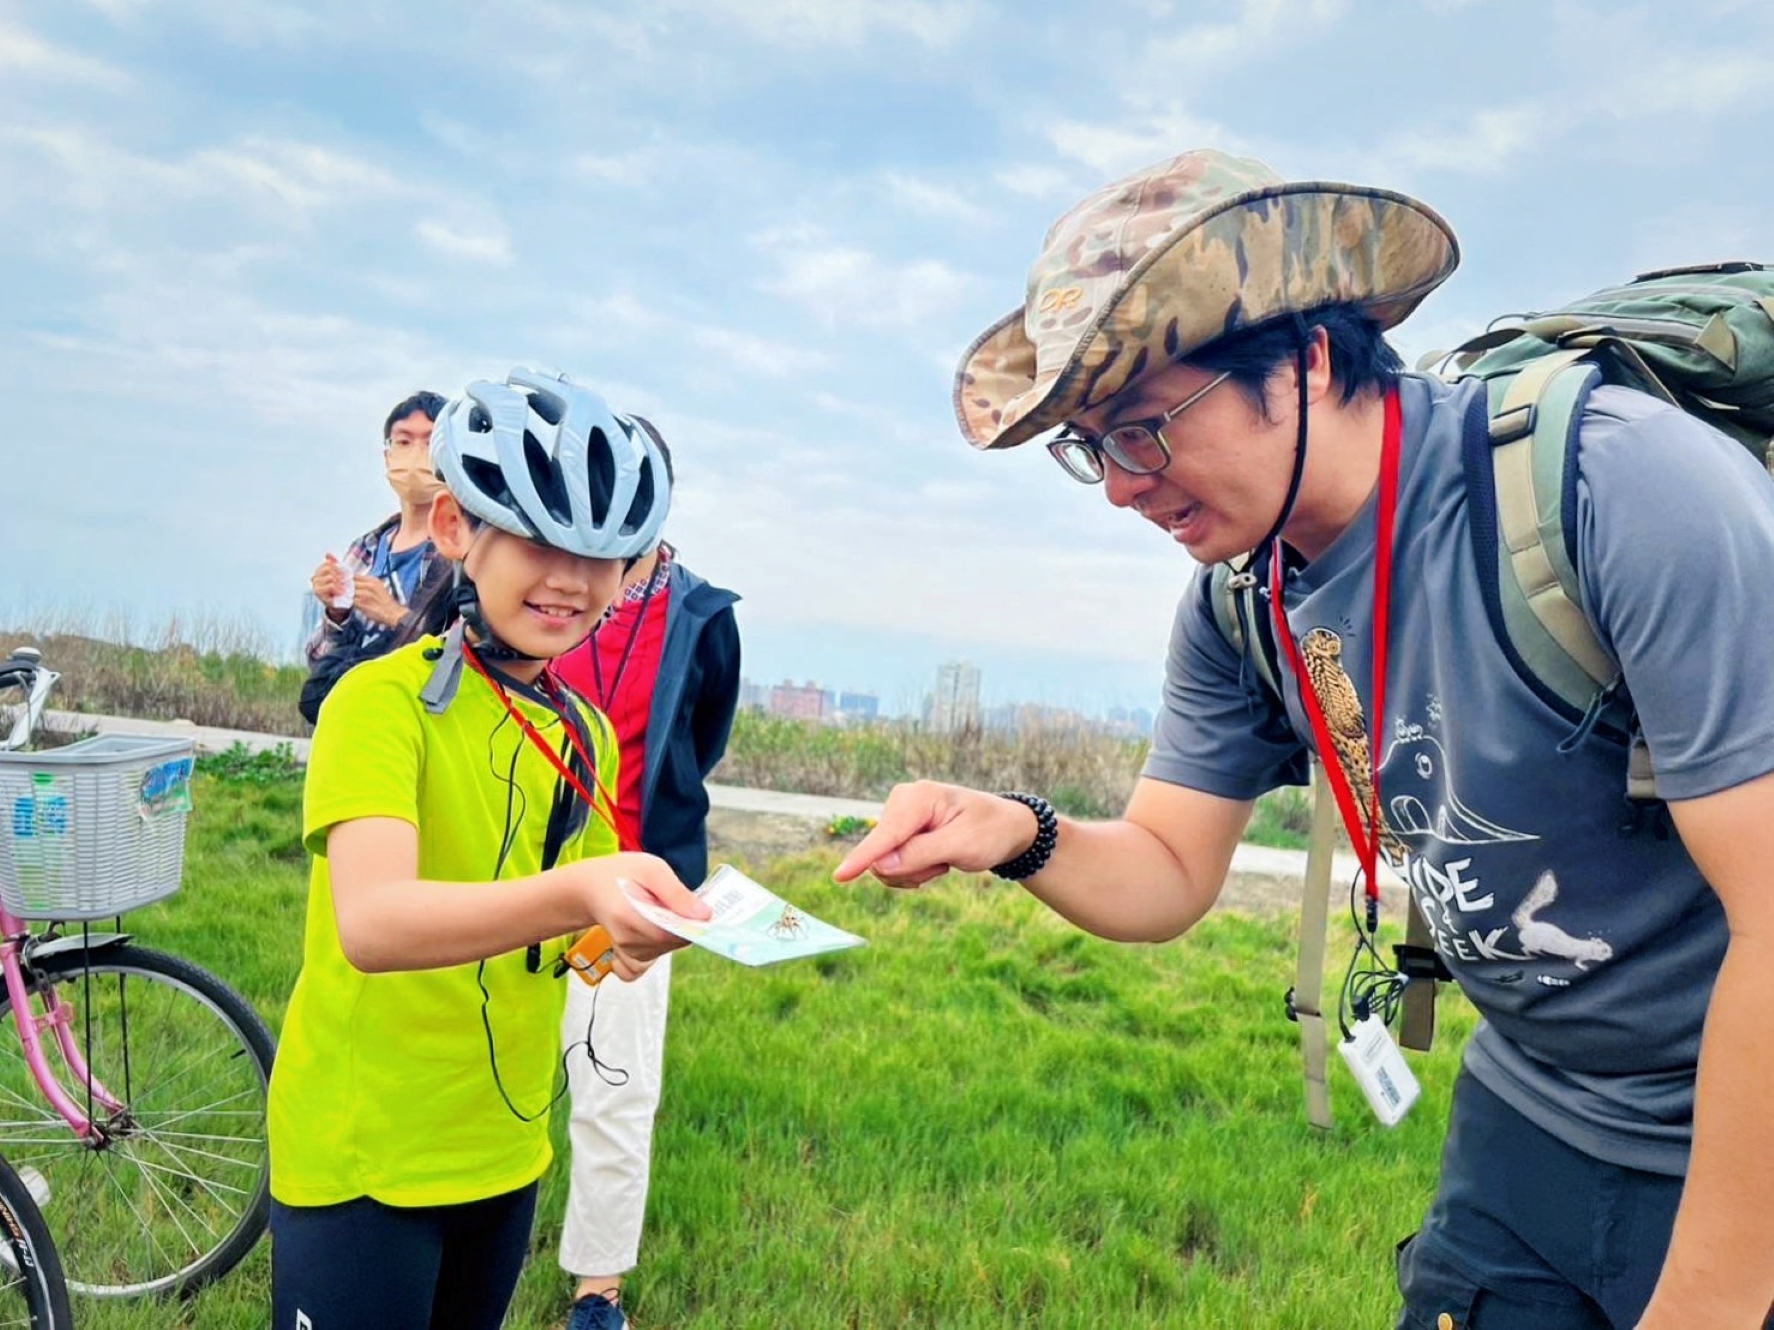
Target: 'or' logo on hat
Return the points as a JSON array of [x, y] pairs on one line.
[[1059, 299]]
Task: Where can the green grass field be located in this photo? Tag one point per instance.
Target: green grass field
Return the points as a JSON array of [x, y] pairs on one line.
[[983, 1118]]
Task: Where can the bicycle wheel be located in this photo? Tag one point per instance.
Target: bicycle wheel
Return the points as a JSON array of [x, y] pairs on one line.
[[176, 1189], [33, 1294]]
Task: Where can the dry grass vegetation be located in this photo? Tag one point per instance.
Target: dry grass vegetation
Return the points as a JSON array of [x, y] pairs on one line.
[[206, 672], [1084, 773]]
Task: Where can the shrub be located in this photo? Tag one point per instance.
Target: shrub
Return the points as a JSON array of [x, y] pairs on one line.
[[206, 674], [1083, 772]]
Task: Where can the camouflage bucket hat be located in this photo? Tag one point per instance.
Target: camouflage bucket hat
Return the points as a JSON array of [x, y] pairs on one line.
[[1158, 265]]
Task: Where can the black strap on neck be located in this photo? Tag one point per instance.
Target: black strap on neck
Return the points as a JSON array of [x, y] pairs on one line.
[[1293, 484], [567, 813], [466, 600]]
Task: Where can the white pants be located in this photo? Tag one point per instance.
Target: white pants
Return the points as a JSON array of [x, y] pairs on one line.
[[610, 1129]]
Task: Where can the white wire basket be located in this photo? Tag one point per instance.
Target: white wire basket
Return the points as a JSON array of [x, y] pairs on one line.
[[93, 829]]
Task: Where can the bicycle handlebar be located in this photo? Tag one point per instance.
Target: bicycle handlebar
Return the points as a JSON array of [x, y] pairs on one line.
[[24, 669]]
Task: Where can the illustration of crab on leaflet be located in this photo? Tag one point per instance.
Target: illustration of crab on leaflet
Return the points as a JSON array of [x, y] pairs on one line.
[[751, 924]]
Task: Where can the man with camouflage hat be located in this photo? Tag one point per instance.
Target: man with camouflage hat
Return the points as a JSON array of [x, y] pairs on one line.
[[1208, 339]]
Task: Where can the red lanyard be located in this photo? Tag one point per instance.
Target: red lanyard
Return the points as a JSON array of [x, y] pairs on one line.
[[607, 809], [1367, 843]]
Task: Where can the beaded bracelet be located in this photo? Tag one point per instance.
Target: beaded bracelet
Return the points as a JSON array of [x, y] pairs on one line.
[[1033, 859]]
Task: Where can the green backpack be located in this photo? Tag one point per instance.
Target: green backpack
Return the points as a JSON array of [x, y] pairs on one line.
[[1701, 338]]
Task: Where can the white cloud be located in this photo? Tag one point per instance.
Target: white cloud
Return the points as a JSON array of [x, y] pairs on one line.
[[1671, 83], [1255, 31], [847, 286], [1488, 143], [23, 53], [297, 175], [933, 200], [1697, 232], [1113, 148], [833, 23], [1654, 84], [291, 175], [760, 355], [473, 246], [972, 580], [1036, 182], [629, 168]]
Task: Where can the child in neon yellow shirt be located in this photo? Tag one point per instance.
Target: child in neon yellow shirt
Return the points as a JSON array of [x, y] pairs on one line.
[[458, 813]]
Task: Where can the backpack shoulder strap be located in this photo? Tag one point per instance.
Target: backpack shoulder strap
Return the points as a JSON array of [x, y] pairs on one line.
[[1534, 416], [1237, 613], [1305, 1001]]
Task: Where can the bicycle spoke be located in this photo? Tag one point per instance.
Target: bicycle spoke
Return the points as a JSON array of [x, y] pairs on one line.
[[165, 1170], [171, 1197]]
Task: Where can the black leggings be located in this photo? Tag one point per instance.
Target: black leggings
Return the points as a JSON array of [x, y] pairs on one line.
[[362, 1265]]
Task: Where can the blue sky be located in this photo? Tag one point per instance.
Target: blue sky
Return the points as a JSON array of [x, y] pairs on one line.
[[234, 232]]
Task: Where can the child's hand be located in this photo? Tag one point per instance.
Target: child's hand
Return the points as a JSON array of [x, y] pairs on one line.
[[636, 941]]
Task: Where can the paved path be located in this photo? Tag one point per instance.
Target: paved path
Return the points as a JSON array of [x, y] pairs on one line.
[[1253, 860]]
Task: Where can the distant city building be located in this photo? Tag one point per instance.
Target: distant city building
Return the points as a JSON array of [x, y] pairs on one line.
[[954, 705], [858, 706], [1000, 719], [799, 702], [753, 696], [1034, 718]]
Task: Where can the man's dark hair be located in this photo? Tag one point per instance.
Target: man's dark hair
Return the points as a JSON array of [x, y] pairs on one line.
[[1361, 360], [422, 403]]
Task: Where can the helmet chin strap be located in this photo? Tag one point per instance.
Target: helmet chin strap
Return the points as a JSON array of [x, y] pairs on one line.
[[466, 600]]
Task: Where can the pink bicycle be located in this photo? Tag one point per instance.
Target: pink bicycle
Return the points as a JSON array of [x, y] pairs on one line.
[[136, 1084]]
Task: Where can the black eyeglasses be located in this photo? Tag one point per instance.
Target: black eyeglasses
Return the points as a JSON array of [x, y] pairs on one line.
[[1136, 446]]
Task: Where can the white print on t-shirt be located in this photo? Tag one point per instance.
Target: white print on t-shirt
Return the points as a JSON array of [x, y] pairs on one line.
[[1420, 802], [1539, 938]]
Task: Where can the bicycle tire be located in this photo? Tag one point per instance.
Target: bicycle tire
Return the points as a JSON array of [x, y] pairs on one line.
[[182, 1021], [33, 1291]]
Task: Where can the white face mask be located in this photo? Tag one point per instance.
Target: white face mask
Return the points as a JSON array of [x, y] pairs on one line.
[[411, 477]]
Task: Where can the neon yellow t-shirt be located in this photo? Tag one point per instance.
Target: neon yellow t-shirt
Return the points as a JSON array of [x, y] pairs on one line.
[[384, 1083]]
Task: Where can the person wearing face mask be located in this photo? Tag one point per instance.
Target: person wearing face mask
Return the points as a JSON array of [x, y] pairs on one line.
[[361, 600]]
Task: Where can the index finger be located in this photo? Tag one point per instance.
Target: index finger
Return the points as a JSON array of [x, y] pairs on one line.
[[899, 822]]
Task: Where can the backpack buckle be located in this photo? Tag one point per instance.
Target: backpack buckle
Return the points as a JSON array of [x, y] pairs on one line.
[[1420, 963], [1508, 426]]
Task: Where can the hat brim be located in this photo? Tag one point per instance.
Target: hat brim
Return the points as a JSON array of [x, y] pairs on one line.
[[1283, 249]]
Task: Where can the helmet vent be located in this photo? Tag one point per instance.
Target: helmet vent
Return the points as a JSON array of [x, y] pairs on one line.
[[548, 406], [601, 475], [642, 507], [545, 475], [488, 479]]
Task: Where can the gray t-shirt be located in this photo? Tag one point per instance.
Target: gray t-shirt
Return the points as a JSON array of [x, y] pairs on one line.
[[1590, 954]]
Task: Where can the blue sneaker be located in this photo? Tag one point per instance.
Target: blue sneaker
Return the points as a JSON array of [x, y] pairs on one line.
[[596, 1312]]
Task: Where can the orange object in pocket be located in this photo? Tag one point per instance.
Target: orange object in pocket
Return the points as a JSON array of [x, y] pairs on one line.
[[593, 955]]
